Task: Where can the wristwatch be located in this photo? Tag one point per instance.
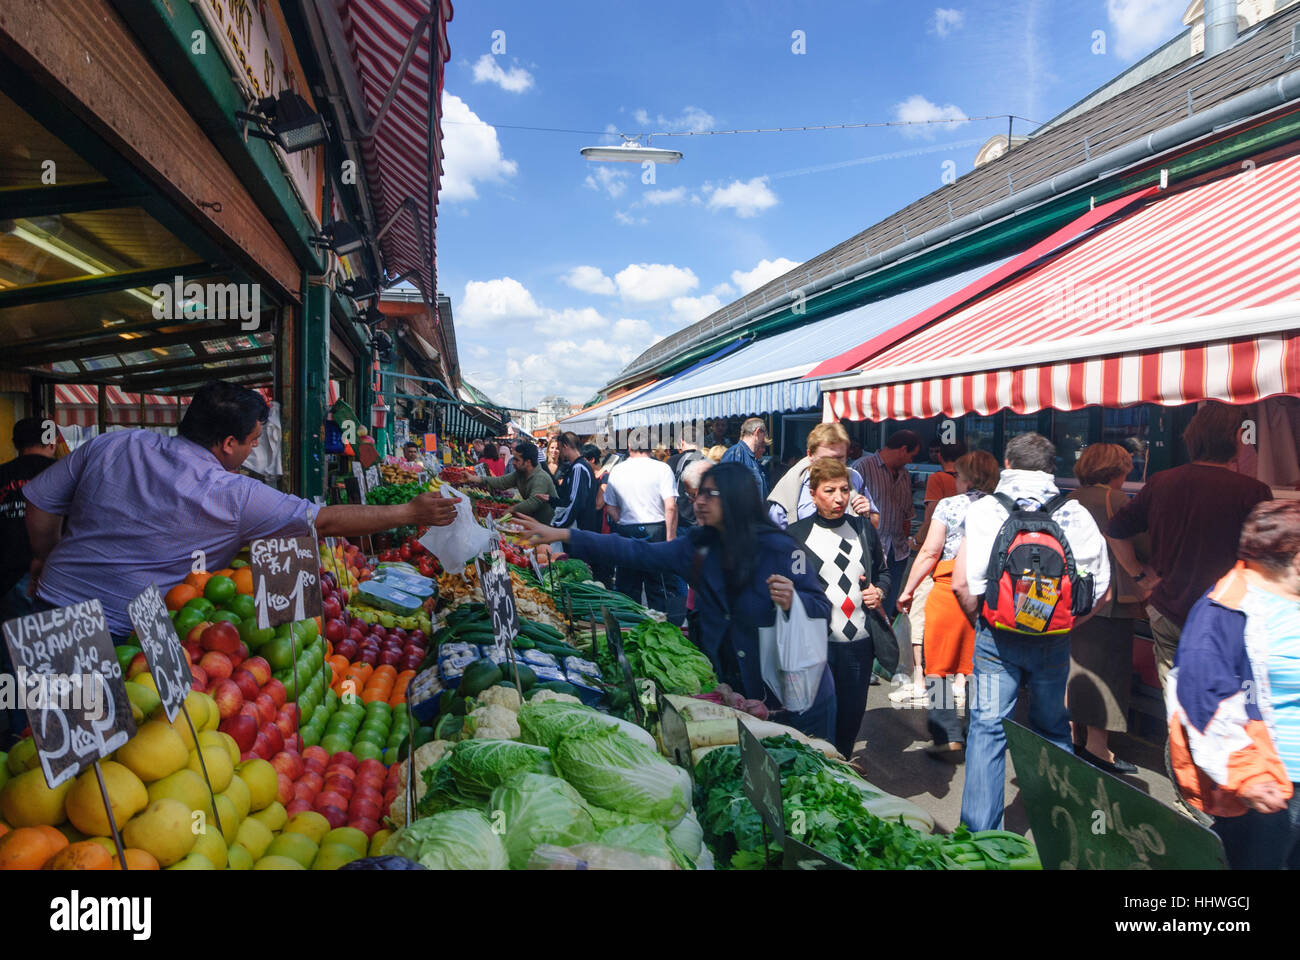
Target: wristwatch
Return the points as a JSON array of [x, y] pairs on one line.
[[1139, 576]]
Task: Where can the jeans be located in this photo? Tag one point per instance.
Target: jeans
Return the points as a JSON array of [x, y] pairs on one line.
[[1001, 664], [896, 570], [941, 716], [850, 664], [630, 580], [819, 719], [1263, 841]]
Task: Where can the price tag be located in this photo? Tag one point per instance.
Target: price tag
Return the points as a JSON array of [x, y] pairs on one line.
[[800, 856], [372, 477], [537, 570], [672, 731], [614, 637], [361, 479], [499, 596], [761, 779], [162, 649], [70, 685], [286, 584], [422, 477]]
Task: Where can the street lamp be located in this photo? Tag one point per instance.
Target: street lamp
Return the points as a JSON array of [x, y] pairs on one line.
[[632, 150]]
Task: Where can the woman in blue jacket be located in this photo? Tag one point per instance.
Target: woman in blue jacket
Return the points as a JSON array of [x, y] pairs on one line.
[[740, 566]]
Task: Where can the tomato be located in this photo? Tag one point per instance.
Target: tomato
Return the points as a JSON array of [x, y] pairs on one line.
[[405, 551]]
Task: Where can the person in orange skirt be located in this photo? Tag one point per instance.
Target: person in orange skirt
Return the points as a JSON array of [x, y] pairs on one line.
[[949, 637]]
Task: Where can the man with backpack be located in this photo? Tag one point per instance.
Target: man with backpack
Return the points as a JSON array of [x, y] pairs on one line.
[[687, 453], [1033, 567]]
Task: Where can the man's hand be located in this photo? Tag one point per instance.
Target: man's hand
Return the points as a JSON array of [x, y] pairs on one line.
[[1263, 795], [860, 505], [433, 510], [781, 590]]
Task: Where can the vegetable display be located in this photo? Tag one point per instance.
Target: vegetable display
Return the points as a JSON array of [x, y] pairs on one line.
[[613, 771], [661, 652], [452, 840], [537, 809]]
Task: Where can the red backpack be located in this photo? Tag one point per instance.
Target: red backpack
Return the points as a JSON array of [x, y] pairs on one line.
[[1034, 588]]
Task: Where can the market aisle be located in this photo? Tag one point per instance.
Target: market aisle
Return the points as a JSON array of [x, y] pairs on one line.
[[936, 785]]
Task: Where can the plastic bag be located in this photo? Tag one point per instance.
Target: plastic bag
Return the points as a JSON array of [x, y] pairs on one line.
[[792, 656], [460, 542]]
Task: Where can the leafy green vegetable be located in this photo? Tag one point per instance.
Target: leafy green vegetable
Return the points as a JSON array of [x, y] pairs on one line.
[[661, 652], [550, 721], [454, 840], [613, 771], [480, 766], [648, 839], [443, 792], [538, 809]]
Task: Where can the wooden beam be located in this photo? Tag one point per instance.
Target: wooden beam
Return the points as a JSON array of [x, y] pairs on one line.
[[87, 286], [22, 202]]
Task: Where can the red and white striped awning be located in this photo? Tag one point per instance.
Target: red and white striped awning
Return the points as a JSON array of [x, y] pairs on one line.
[[1194, 297], [404, 157], [77, 404]]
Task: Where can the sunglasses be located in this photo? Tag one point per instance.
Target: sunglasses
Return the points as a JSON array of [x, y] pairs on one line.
[[708, 493]]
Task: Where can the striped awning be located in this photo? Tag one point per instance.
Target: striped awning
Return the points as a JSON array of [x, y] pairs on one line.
[[404, 157], [1194, 297], [78, 404]]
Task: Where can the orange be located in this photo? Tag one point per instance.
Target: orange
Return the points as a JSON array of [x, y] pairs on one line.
[[386, 670], [180, 595], [4, 828], [136, 859], [84, 855], [55, 836], [228, 572], [371, 694], [243, 578], [26, 848], [198, 581]]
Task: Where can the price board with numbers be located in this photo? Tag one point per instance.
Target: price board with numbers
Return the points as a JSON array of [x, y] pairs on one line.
[[286, 580], [70, 685], [373, 479], [162, 649], [800, 856], [614, 637], [360, 476], [761, 779], [499, 597]]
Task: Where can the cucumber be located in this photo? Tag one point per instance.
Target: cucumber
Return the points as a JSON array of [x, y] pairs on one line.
[[522, 642], [527, 679]]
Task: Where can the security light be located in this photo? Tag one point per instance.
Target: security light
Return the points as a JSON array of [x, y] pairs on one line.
[[291, 122]]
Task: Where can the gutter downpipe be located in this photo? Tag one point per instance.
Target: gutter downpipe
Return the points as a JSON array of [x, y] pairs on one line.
[[1220, 26], [1276, 93]]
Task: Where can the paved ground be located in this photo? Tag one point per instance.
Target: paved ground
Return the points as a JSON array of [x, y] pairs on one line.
[[936, 785]]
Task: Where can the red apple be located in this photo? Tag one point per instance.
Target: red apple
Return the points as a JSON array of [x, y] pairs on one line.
[[319, 753], [259, 668], [329, 798], [364, 807], [336, 816], [217, 665], [342, 769], [347, 647], [336, 631], [302, 791], [284, 789], [249, 709], [341, 785], [370, 782], [246, 756], [196, 632], [262, 746], [344, 758], [313, 780], [355, 633], [370, 655], [139, 664], [242, 728], [228, 697], [273, 737], [367, 788], [221, 636], [391, 657], [391, 775], [313, 764], [290, 714], [371, 765], [290, 764], [366, 825], [331, 609], [248, 685], [297, 807], [265, 708], [293, 742], [193, 651], [200, 677], [276, 690]]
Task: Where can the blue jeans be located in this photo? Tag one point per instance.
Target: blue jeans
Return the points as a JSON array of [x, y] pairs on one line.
[[896, 570], [659, 587], [1001, 664], [819, 719]]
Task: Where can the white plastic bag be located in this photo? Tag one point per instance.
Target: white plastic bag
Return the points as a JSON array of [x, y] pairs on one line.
[[792, 656], [460, 542]]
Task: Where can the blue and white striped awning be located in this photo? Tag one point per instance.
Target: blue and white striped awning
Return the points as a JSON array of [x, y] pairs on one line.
[[765, 377]]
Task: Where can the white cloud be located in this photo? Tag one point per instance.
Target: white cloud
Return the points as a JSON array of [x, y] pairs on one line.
[[514, 80], [570, 321], [631, 330], [568, 367], [947, 20], [471, 150], [658, 198], [692, 118], [748, 199], [496, 300], [650, 282], [607, 178], [689, 309], [1142, 25], [625, 218], [589, 280], [723, 289], [764, 271], [917, 108]]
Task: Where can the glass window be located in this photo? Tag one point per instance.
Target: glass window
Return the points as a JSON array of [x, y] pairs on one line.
[[981, 433], [1017, 423], [1130, 428], [1070, 435]]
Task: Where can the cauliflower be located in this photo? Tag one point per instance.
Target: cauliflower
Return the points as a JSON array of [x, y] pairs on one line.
[[425, 756], [500, 696], [541, 696], [493, 722]]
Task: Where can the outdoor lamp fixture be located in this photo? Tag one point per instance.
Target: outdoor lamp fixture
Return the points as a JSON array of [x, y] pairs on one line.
[[371, 317], [382, 344], [341, 237], [358, 288], [290, 121], [631, 149]]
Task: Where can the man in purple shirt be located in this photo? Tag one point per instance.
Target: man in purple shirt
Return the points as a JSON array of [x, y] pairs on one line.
[[140, 506]]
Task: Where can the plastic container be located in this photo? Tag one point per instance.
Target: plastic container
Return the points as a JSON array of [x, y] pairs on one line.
[[384, 596]]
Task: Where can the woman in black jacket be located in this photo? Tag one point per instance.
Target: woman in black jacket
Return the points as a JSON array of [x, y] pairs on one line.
[[845, 554], [739, 565]]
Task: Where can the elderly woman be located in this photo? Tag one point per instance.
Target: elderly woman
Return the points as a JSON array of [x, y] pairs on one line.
[[1101, 648], [1233, 697], [949, 636]]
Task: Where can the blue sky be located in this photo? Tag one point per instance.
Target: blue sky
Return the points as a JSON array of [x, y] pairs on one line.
[[562, 270]]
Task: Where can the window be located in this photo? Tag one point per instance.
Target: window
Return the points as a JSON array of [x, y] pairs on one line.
[[1129, 427], [1070, 435], [981, 434]]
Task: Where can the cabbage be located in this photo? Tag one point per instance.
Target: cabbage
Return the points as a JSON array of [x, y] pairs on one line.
[[688, 836], [454, 840], [648, 839], [535, 809], [547, 722], [615, 772], [480, 766]]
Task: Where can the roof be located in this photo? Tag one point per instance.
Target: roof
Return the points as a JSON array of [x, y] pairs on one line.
[[1158, 102]]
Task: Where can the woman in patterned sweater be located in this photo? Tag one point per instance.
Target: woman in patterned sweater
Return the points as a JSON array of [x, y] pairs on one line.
[[845, 553]]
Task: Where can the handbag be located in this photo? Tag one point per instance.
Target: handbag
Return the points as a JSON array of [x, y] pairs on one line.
[[792, 656]]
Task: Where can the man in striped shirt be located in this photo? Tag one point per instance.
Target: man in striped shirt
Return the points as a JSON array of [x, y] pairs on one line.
[[889, 486]]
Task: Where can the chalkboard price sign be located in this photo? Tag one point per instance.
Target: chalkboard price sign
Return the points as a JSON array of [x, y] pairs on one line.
[[360, 476], [800, 856], [761, 779], [672, 731], [70, 684], [499, 596], [286, 580], [372, 477], [614, 637], [1085, 819], [162, 649]]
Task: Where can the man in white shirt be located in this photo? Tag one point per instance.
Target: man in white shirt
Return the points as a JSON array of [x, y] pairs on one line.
[[641, 502], [1003, 660]]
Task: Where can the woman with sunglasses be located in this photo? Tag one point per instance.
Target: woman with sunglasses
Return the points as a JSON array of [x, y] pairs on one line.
[[739, 566]]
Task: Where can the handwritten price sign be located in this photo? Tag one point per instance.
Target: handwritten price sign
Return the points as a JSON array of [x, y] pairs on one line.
[[286, 583]]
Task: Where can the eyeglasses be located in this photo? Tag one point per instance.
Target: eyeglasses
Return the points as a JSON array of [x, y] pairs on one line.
[[708, 493]]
